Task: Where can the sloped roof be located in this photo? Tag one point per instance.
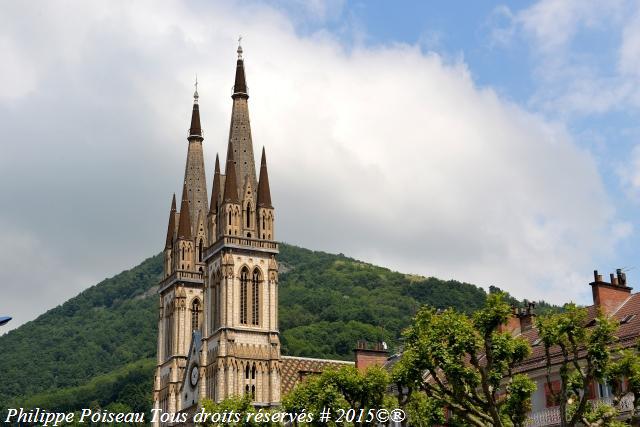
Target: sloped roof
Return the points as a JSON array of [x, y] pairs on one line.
[[628, 333], [294, 369]]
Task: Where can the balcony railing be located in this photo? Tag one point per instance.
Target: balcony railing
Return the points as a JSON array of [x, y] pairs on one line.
[[551, 416], [189, 276], [242, 242]]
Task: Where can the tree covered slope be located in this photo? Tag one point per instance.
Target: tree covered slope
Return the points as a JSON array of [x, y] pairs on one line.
[[79, 350]]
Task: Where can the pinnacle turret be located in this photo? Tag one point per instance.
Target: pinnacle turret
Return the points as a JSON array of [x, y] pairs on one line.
[[215, 191], [184, 226], [264, 192], [172, 224], [230, 184]]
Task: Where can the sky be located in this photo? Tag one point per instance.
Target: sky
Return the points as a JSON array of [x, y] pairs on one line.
[[489, 142]]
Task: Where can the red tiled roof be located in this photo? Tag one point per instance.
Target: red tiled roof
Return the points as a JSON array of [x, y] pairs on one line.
[[294, 369], [627, 333]]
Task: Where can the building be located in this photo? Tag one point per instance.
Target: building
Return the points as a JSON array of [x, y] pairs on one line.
[[218, 307], [614, 299]]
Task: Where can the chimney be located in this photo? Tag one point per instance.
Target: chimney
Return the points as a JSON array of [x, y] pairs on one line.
[[521, 319], [609, 296], [366, 356]]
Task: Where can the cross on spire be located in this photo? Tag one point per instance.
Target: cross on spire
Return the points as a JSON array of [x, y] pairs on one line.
[[195, 94], [240, 47]]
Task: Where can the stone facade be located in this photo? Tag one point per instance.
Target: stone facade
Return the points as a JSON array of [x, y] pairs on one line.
[[218, 305]]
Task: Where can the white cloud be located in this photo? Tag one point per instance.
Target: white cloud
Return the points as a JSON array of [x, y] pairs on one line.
[[574, 73], [383, 152]]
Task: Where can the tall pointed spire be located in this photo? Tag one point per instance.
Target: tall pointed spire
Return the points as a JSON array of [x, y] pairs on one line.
[[184, 226], [172, 223], [195, 131], [240, 142], [240, 85], [230, 185], [264, 192], [215, 191], [194, 173]]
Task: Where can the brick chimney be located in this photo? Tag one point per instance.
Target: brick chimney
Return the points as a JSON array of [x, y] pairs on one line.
[[609, 296], [366, 356], [521, 319]]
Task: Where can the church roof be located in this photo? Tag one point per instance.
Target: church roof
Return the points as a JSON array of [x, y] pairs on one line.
[[295, 369], [195, 130], [240, 85]]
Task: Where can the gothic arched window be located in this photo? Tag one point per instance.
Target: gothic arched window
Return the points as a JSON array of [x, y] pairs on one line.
[[229, 217], [248, 215], [244, 284], [255, 293], [200, 251], [195, 314]]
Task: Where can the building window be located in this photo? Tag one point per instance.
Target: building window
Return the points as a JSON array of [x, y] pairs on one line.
[[244, 283], [255, 293], [229, 217], [248, 215], [200, 251], [195, 314], [168, 345]]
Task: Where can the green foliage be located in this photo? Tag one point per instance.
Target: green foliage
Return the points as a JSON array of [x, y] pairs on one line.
[[327, 303], [588, 353], [125, 389], [345, 388], [106, 327], [468, 362], [242, 413]]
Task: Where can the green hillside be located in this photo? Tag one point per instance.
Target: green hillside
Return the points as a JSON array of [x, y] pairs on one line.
[[84, 351]]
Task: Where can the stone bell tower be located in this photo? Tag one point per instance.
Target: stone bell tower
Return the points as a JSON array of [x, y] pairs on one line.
[[181, 301], [241, 349]]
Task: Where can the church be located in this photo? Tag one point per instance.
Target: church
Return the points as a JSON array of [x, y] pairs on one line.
[[218, 300]]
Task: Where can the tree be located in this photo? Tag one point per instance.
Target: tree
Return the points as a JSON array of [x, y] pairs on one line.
[[240, 405], [583, 353], [464, 364], [342, 389]]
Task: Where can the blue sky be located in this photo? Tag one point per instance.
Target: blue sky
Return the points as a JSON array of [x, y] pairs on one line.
[[514, 67], [490, 142]]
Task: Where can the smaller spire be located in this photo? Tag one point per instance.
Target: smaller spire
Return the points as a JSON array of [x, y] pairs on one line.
[[215, 190], [230, 186], [172, 223], [184, 226], [264, 192]]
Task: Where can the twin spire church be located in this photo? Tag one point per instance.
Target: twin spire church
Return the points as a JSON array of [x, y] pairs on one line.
[[218, 312]]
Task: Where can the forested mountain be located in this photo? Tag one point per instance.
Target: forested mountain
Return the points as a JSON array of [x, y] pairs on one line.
[[85, 352]]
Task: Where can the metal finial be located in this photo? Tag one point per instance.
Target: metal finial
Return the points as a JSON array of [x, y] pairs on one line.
[[195, 94], [240, 47]]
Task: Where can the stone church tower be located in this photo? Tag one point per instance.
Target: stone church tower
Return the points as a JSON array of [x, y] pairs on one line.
[[218, 312]]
